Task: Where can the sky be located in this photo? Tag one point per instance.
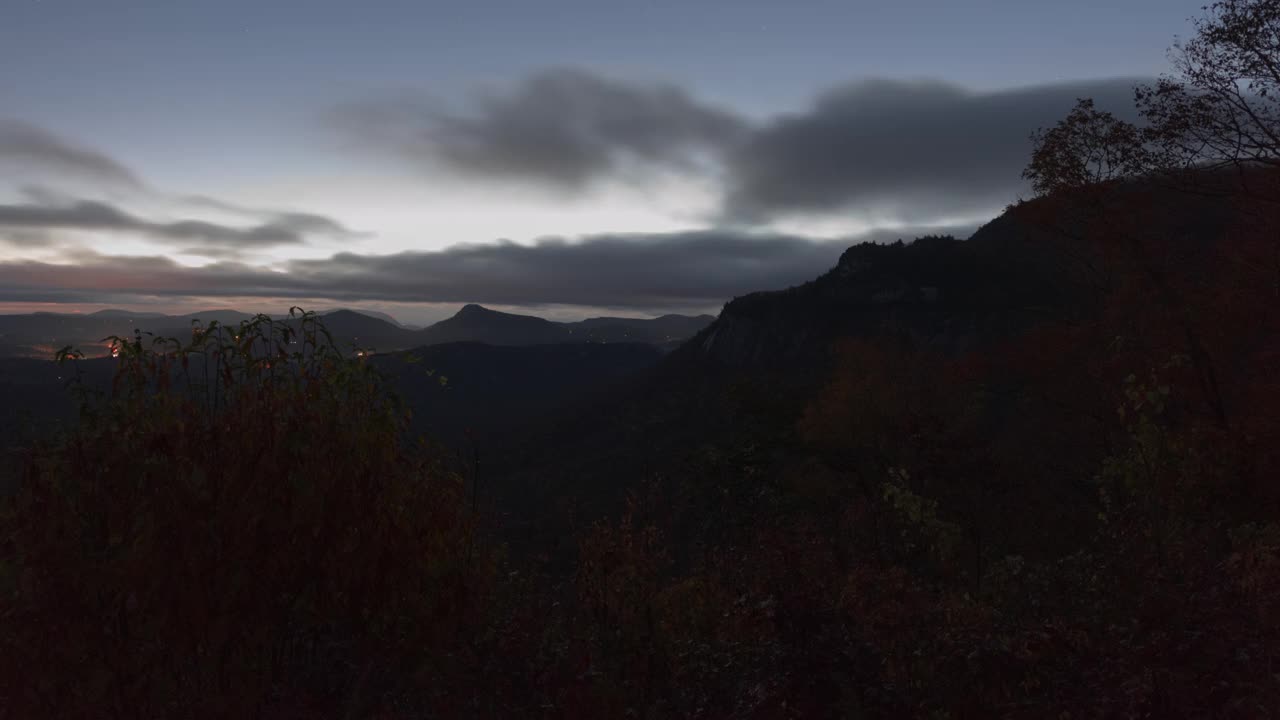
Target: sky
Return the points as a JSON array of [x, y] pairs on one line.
[[565, 158]]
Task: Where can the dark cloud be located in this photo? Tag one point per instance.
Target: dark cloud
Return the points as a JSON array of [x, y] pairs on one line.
[[641, 272], [909, 150], [27, 238], [95, 278], [885, 149], [564, 128], [637, 271], [285, 229], [308, 223], [27, 146]]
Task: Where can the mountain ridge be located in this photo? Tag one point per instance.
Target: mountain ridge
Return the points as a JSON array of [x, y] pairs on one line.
[[42, 334]]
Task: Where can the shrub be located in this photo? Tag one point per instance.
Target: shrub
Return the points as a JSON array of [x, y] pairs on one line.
[[238, 527]]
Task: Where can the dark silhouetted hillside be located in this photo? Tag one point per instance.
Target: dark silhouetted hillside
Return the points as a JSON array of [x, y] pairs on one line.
[[468, 392]]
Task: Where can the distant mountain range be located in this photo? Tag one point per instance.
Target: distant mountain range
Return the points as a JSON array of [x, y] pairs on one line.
[[42, 334]]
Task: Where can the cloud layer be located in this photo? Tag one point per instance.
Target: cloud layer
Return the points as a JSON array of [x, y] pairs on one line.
[[877, 152], [285, 229], [908, 150], [27, 146], [878, 149], [641, 272], [563, 128], [43, 221]]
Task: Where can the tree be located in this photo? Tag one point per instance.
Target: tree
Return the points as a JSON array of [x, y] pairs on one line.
[[1087, 148], [237, 529], [1222, 107], [1219, 109]]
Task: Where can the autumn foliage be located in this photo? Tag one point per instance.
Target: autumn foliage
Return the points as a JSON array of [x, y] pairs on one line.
[[238, 528]]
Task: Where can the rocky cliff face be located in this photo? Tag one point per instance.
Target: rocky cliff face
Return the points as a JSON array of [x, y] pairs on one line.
[[938, 292]]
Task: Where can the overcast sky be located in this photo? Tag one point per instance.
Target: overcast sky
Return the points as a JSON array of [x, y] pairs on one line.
[[565, 158]]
